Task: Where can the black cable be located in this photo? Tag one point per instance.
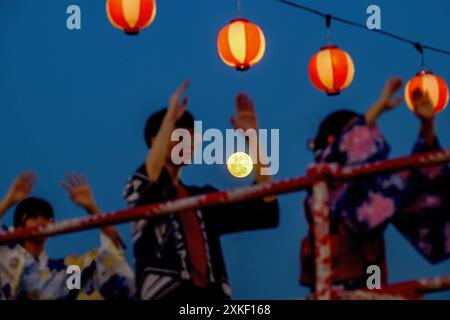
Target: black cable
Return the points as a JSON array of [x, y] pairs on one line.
[[420, 47]]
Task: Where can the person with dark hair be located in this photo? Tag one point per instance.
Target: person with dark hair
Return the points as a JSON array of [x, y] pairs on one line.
[[416, 201], [330, 128], [28, 273], [155, 120], [179, 256]]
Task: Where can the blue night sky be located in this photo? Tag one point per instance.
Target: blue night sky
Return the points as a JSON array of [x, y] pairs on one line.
[[78, 100]]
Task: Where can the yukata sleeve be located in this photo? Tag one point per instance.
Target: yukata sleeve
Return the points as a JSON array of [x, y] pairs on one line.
[[106, 273], [359, 143], [11, 267], [368, 203], [155, 273], [103, 273], [140, 191], [426, 223]]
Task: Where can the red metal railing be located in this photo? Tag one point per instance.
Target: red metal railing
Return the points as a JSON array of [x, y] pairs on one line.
[[410, 290], [317, 179]]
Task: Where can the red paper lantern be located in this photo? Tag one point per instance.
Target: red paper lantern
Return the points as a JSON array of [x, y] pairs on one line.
[[241, 44], [436, 87], [331, 70], [131, 15]]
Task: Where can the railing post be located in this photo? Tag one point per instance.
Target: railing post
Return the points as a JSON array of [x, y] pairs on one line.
[[322, 238]]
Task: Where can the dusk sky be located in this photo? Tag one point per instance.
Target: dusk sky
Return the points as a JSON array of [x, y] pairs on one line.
[[78, 101]]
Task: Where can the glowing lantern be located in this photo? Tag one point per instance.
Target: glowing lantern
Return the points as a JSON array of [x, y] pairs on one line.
[[241, 44], [331, 70], [240, 164], [436, 87], [131, 15]]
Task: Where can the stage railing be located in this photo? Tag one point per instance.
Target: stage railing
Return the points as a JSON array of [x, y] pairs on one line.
[[317, 179]]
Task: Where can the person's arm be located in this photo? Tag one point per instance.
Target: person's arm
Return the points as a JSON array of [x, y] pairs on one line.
[[81, 194], [242, 216], [246, 118], [386, 101], [423, 108], [426, 223], [19, 190], [427, 140], [160, 146]]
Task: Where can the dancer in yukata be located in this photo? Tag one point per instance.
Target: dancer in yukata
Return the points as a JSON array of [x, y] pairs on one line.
[[179, 257], [26, 271], [416, 202]]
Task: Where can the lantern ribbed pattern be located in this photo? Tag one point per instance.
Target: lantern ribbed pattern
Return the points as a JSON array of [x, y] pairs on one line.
[[331, 70], [436, 87], [131, 15], [241, 44]]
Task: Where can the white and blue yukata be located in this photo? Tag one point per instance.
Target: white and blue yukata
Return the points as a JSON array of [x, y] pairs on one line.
[[105, 274]]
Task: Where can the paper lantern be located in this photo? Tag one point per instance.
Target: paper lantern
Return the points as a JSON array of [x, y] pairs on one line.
[[241, 44], [131, 15], [436, 87], [331, 70]]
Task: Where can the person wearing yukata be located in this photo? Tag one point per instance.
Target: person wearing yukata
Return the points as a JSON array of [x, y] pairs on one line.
[[416, 202], [179, 256], [26, 271]]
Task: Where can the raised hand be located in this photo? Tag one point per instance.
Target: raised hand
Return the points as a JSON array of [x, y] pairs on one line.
[[176, 108], [387, 100], [160, 149], [20, 188], [80, 192], [423, 106], [246, 117]]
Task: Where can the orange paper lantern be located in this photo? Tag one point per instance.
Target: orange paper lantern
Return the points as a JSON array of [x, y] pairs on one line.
[[331, 70], [241, 44], [436, 87], [131, 15]]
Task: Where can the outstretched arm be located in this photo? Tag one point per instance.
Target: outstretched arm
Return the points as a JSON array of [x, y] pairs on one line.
[[81, 194], [423, 108], [19, 190], [386, 102], [160, 145], [426, 222]]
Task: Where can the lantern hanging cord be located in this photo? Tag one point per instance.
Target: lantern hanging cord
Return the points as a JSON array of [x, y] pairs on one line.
[[239, 7], [328, 20], [419, 48], [362, 26], [328, 25]]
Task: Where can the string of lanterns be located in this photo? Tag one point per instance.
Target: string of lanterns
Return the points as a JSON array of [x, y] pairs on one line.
[[331, 69], [241, 45]]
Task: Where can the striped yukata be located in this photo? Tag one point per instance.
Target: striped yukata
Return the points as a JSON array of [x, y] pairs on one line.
[[164, 270]]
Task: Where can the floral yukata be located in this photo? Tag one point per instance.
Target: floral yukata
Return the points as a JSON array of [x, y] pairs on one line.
[[417, 202], [105, 274]]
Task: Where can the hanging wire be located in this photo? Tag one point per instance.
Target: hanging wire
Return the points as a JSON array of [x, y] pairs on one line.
[[362, 26]]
